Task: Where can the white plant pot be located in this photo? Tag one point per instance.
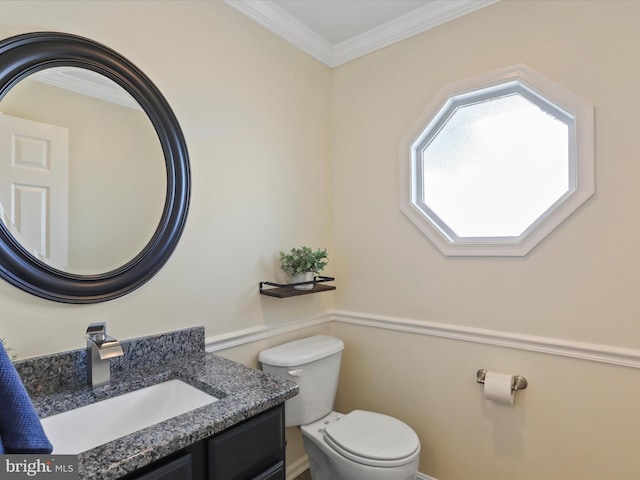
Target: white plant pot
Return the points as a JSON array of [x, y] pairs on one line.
[[303, 277]]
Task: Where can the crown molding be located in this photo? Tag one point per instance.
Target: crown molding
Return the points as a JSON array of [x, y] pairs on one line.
[[413, 23], [285, 25], [87, 82]]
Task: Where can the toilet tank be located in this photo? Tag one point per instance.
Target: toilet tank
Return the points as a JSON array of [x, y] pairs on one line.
[[314, 364]]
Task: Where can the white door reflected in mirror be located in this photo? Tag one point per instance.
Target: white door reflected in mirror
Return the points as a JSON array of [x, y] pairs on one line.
[[34, 187]]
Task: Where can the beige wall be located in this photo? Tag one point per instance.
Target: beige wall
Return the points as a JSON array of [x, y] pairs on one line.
[[584, 271], [255, 114], [577, 420], [285, 151]]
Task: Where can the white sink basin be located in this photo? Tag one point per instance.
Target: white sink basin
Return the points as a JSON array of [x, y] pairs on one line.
[[87, 427]]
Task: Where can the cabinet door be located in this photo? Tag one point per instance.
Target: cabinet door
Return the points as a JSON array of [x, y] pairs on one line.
[[249, 450], [275, 473], [178, 469]]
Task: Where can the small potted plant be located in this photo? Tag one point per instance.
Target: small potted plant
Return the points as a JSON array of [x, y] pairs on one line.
[[302, 264]]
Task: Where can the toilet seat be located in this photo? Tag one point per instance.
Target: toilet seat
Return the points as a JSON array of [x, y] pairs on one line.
[[372, 439]]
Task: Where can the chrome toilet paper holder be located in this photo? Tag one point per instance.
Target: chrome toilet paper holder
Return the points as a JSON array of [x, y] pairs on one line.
[[518, 382]]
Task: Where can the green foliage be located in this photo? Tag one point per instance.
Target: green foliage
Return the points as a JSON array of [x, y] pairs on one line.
[[303, 259]]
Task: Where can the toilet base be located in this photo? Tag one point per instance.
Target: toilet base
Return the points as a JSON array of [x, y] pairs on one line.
[[327, 464], [320, 470]]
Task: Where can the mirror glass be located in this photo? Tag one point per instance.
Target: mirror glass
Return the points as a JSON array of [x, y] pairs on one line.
[[107, 221], [83, 180]]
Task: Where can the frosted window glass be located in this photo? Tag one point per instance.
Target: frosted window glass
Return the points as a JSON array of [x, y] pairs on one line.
[[496, 162], [495, 167]]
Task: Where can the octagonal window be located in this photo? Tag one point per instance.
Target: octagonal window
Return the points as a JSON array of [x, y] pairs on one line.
[[497, 162]]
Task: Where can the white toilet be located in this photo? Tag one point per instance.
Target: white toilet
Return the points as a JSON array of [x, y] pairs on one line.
[[360, 445]]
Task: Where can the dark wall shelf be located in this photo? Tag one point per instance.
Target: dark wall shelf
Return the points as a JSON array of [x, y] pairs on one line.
[[284, 290]]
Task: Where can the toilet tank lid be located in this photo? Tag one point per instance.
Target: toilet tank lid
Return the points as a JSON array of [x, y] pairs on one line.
[[300, 352]]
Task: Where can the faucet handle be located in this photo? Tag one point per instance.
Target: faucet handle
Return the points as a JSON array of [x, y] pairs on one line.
[[97, 331]]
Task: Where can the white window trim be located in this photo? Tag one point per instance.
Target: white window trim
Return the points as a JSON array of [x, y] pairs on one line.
[[581, 158]]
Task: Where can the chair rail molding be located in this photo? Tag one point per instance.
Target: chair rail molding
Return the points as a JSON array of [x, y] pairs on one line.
[[595, 352], [610, 354], [223, 341]]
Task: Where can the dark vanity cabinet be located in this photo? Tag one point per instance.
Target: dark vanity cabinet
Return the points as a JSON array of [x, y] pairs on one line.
[[178, 467], [251, 450]]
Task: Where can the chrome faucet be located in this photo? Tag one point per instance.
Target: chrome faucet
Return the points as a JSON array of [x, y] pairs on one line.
[[100, 349]]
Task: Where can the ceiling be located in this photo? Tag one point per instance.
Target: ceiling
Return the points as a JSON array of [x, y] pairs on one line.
[[336, 31]]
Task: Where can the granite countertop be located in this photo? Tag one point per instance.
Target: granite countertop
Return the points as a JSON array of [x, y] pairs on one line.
[[57, 383]]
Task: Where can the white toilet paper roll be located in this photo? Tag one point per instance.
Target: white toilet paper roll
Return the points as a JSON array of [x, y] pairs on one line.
[[497, 387]]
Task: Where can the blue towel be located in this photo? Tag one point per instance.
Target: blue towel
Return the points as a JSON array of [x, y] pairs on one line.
[[20, 427]]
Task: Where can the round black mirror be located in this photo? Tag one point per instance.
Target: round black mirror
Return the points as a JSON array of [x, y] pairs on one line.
[[25, 55]]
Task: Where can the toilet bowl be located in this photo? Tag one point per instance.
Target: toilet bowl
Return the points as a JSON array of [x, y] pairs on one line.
[[360, 445]]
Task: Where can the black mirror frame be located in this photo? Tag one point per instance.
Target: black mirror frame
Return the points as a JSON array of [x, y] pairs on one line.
[[25, 54]]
